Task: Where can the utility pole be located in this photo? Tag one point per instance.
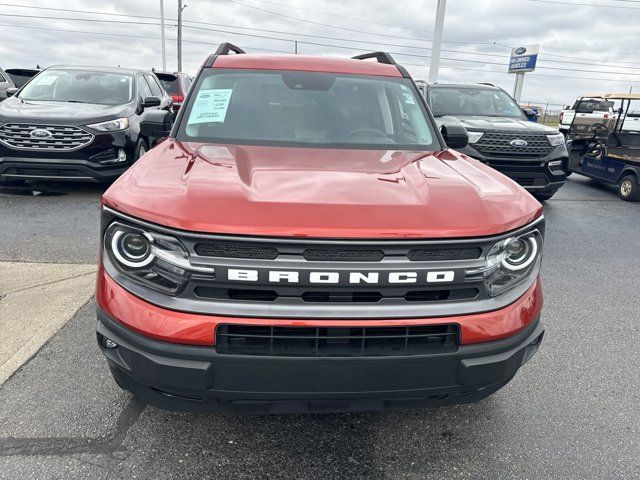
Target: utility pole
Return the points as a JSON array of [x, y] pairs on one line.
[[437, 41], [180, 9], [296, 46], [164, 53]]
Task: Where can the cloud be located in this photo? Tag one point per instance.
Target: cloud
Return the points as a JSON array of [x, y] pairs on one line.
[[478, 35]]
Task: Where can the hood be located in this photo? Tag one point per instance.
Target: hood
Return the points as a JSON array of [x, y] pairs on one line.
[[483, 123], [16, 110], [322, 193]]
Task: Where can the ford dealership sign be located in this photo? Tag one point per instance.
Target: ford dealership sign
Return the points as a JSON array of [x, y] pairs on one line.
[[523, 58]]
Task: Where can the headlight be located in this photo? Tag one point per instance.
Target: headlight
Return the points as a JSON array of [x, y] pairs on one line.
[[111, 125], [510, 262], [153, 259], [474, 136], [556, 139]]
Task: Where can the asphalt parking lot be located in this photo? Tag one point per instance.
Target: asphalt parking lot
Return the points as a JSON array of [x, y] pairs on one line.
[[571, 412]]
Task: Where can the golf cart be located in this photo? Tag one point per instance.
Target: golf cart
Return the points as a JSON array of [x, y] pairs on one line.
[[610, 153]]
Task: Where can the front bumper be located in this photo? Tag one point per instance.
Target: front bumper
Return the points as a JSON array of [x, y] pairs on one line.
[[95, 162], [197, 378], [534, 174]]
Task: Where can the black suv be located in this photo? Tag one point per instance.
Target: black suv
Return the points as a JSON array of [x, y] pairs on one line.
[[501, 136], [76, 123]]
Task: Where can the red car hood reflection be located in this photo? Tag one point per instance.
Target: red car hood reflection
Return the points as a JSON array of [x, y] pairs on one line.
[[319, 192]]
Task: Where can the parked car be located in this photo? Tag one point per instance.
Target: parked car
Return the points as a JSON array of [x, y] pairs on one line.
[[610, 153], [20, 76], [501, 135], [307, 240], [77, 123], [177, 85], [5, 83], [590, 112]]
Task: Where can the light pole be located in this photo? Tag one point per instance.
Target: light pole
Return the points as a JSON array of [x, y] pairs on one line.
[[437, 41], [164, 53], [180, 9]]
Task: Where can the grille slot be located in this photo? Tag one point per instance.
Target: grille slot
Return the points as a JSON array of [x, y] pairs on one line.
[[496, 144], [233, 250], [336, 341], [435, 254], [63, 138], [335, 255], [259, 295]]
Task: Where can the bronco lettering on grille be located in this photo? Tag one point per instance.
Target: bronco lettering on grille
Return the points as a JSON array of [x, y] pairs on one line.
[[317, 278]]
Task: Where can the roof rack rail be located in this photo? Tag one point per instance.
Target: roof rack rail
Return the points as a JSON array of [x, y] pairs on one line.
[[226, 47], [381, 57], [486, 83]]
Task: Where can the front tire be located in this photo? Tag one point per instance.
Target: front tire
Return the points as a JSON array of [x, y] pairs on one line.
[[141, 148], [628, 189], [543, 197]]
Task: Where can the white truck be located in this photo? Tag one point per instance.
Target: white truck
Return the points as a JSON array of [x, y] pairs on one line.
[[590, 111]]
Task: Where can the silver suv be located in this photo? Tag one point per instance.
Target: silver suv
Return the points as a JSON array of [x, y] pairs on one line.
[[5, 82]]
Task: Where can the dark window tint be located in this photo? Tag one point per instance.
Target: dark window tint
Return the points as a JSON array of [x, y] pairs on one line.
[[170, 83], [590, 106], [472, 101]]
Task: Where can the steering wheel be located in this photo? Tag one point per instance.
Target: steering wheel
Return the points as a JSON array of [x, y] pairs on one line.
[[375, 131], [599, 129]]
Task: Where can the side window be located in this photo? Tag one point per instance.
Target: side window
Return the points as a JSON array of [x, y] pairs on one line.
[[155, 88], [143, 88]]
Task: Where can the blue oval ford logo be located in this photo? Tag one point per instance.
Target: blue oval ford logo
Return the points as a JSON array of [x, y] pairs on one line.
[[520, 50], [518, 143], [40, 133]]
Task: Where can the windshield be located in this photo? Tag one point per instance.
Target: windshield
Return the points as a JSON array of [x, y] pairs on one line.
[[80, 86], [306, 109], [472, 101]]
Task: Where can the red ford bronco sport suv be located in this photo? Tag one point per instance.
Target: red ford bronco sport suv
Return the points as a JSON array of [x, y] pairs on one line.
[[304, 240]]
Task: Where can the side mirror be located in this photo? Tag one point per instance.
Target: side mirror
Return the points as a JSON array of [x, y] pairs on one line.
[[531, 114], [156, 123], [11, 91], [455, 136], [151, 102]]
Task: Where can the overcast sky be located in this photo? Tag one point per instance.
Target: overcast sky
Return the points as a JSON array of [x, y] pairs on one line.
[[478, 34]]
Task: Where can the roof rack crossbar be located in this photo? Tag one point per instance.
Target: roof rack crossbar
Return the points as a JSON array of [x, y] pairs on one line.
[[381, 57], [226, 47]]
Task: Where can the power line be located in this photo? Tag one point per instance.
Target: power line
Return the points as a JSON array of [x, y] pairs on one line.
[[585, 4]]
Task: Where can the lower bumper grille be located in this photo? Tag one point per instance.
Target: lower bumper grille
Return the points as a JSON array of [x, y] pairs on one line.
[[336, 341], [44, 171]]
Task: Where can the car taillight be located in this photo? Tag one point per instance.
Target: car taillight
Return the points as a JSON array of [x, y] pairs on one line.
[[177, 98], [606, 116], [561, 116]]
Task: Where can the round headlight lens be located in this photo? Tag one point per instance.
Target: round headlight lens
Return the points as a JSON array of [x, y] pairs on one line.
[[132, 249], [520, 253]]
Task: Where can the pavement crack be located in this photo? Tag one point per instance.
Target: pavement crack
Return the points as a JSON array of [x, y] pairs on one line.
[[30, 287], [73, 445]]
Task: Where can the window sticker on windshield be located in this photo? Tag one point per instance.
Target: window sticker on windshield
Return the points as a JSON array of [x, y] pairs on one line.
[[210, 106], [408, 99]]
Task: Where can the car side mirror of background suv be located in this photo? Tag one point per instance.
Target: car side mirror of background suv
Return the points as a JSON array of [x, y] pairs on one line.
[[151, 102], [455, 136], [156, 123]]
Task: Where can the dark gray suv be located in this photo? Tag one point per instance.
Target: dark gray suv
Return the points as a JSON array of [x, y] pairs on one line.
[[501, 135]]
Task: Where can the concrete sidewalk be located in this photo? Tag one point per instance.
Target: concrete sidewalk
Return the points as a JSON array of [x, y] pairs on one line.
[[36, 299]]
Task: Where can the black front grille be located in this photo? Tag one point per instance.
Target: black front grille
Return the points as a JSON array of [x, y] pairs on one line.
[[498, 144], [59, 138], [338, 296], [337, 341], [528, 180], [235, 250]]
